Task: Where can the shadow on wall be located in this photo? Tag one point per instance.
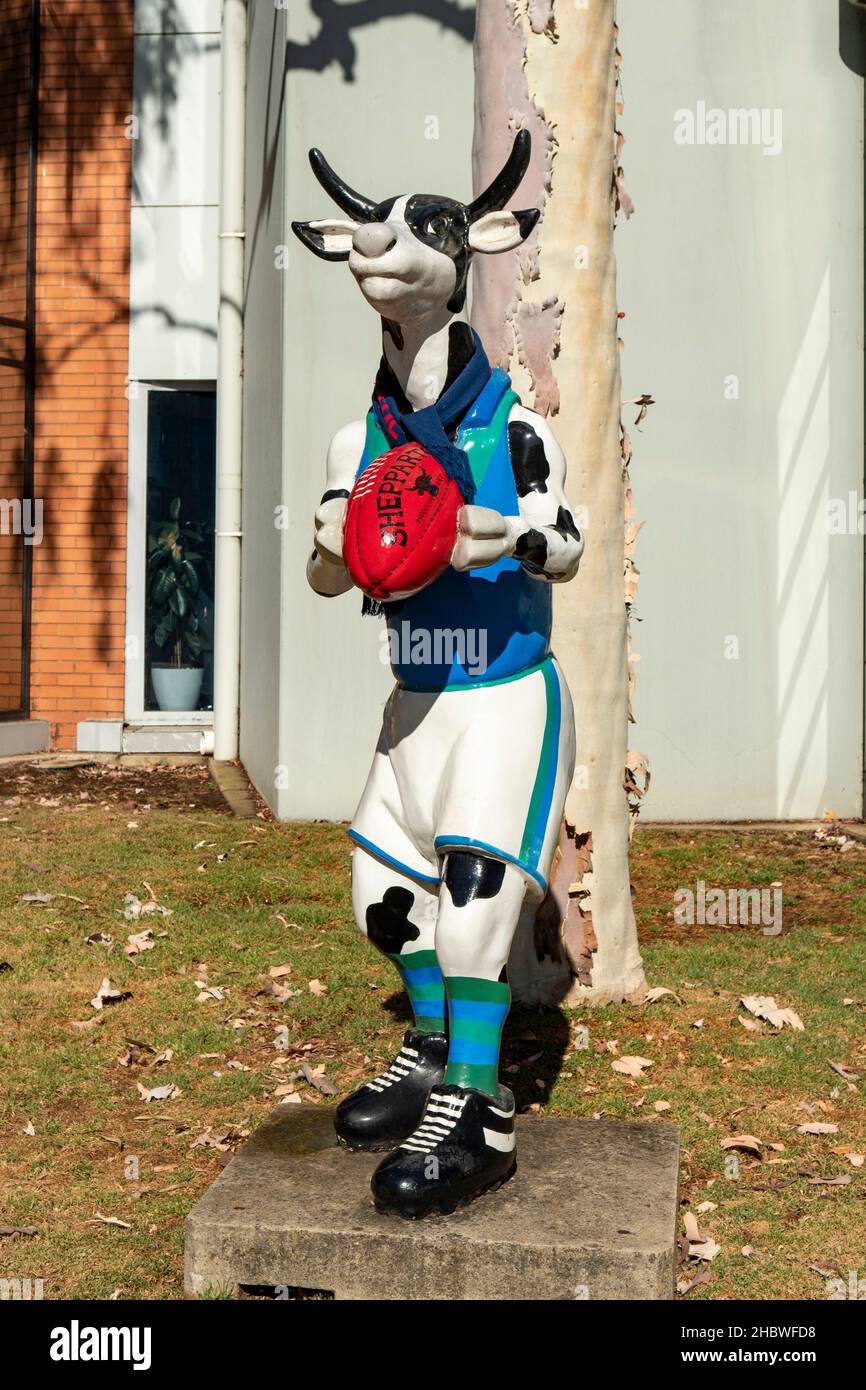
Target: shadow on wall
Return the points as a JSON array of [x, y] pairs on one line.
[[852, 35], [333, 43]]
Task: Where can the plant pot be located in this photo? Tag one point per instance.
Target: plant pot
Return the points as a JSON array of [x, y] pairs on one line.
[[176, 687]]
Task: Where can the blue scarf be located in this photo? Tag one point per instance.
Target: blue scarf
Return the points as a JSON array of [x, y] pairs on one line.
[[431, 425]]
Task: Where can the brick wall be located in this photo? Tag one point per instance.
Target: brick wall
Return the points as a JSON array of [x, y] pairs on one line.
[[82, 337], [14, 83]]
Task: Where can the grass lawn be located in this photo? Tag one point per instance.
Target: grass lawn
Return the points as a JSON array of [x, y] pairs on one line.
[[80, 1143]]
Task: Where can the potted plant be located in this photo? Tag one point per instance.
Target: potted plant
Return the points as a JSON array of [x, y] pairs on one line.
[[172, 589]]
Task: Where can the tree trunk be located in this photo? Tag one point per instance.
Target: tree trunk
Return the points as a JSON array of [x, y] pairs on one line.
[[548, 315]]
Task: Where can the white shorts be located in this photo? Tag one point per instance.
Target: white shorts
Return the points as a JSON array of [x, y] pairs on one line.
[[484, 767]]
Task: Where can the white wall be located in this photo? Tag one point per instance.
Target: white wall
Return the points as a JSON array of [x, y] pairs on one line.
[[742, 263], [173, 273]]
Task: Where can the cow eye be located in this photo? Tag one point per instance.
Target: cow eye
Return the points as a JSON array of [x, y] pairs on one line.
[[437, 226]]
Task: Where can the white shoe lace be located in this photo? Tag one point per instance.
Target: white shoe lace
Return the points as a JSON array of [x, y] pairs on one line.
[[440, 1117], [405, 1062]]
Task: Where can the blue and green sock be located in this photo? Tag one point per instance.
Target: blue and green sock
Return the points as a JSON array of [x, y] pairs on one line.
[[422, 980], [476, 1016]]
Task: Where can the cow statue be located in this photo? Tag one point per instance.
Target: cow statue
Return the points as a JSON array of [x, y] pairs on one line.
[[462, 809]]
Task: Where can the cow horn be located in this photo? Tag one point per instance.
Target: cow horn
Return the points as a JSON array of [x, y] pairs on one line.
[[507, 181], [362, 209]]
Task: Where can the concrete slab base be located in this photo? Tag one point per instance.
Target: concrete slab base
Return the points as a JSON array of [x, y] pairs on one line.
[[590, 1213], [99, 735], [21, 736], [162, 738]]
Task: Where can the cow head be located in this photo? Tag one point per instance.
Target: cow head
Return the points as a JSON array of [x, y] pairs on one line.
[[411, 254]]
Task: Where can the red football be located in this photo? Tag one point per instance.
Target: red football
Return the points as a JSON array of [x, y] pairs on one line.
[[401, 523]]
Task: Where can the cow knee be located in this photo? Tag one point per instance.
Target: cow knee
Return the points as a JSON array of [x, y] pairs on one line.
[[469, 876]]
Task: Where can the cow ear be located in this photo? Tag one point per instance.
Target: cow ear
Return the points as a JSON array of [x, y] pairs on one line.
[[331, 239], [501, 231]]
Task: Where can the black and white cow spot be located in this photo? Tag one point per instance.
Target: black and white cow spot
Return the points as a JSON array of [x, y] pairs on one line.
[[528, 460], [469, 876], [565, 524], [388, 925], [531, 551]]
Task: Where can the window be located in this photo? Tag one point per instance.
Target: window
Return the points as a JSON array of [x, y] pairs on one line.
[[179, 551]]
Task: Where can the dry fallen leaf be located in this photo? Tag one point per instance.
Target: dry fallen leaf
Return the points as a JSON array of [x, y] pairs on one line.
[[846, 1072], [661, 1105], [746, 1142], [693, 1231], [275, 991], [208, 992], [316, 1077], [168, 1092], [28, 1128], [277, 972], [658, 993], [856, 1160], [631, 1066], [316, 987], [704, 1250], [842, 1181], [749, 1023], [818, 1127], [133, 908], [685, 1286], [765, 1006], [142, 941], [109, 1221]]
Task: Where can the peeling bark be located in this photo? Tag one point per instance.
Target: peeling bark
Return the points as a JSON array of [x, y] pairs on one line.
[[552, 321], [537, 340], [502, 106], [542, 18]]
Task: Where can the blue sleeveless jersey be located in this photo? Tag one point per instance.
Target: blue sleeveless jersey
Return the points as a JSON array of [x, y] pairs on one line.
[[488, 624]]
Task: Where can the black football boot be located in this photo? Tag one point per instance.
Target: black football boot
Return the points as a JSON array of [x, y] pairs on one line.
[[463, 1146], [388, 1108]]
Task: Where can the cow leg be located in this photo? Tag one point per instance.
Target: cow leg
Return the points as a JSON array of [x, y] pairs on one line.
[[465, 1143], [479, 906], [398, 914]]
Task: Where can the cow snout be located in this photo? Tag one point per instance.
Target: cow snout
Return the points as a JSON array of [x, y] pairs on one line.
[[373, 239]]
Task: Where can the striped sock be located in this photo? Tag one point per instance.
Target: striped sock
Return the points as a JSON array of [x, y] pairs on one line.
[[476, 1015], [422, 980]]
